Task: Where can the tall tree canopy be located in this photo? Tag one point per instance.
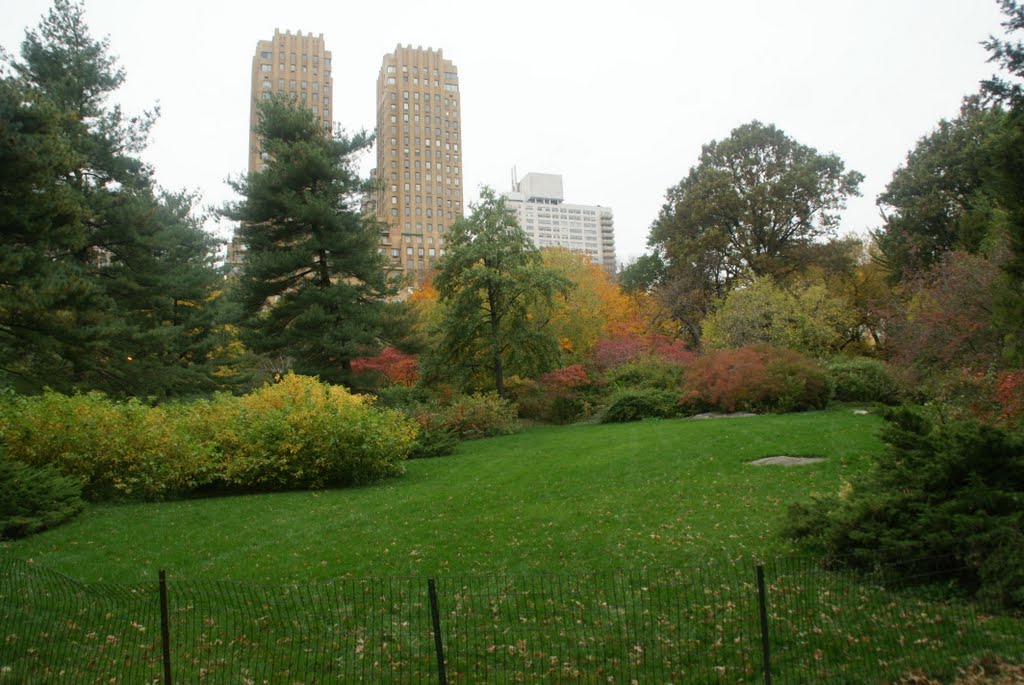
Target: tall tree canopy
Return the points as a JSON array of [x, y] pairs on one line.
[[942, 198], [755, 199], [492, 285], [754, 205], [312, 285], [105, 276]]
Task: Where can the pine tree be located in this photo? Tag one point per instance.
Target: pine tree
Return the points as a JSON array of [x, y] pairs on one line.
[[312, 286], [101, 262]]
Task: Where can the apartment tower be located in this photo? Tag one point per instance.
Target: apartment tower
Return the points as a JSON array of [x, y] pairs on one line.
[[419, 157], [549, 221], [290, 64], [296, 65]]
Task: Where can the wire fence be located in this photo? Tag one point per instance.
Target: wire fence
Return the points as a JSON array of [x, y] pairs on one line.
[[786, 621]]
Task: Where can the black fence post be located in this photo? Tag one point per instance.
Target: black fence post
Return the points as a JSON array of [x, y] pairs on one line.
[[762, 603], [435, 617], [165, 628]]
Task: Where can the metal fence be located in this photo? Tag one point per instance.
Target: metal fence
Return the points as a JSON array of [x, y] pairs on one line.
[[732, 622]]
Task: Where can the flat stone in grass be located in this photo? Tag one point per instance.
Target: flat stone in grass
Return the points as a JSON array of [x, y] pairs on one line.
[[786, 461]]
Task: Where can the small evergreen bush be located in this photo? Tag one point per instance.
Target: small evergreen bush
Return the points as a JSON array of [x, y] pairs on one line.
[[635, 405], [860, 379], [34, 498], [945, 501]]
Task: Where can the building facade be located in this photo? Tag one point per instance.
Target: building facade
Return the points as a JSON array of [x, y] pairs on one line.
[[419, 158], [296, 65], [538, 202], [293, 64]]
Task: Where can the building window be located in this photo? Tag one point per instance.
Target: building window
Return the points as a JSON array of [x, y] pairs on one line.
[[266, 55], [265, 68], [266, 84]]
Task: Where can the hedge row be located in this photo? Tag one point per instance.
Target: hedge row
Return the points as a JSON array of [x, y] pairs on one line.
[[296, 433], [755, 378]]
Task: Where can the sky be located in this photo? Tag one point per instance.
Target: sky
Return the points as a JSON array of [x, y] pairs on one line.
[[618, 98]]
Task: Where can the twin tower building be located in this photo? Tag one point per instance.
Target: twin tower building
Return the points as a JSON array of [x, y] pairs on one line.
[[419, 172]]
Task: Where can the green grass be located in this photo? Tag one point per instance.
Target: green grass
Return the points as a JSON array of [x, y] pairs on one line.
[[573, 554], [549, 499]]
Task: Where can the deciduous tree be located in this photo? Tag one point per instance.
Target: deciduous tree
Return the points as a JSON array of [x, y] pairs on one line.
[[492, 285], [752, 206]]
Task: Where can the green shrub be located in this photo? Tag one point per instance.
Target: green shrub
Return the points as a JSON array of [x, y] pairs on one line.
[[479, 415], [945, 501], [433, 442], [860, 379], [647, 374], [33, 499], [756, 378], [635, 405]]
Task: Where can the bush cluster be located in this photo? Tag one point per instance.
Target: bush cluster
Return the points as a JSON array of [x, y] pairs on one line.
[[481, 415], [755, 378], [944, 498], [636, 405], [861, 379], [295, 433]]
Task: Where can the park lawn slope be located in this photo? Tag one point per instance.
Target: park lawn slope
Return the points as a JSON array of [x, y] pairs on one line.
[[548, 499]]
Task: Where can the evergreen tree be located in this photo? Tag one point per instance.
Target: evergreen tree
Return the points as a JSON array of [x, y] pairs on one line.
[[312, 286], [494, 290], [101, 263]]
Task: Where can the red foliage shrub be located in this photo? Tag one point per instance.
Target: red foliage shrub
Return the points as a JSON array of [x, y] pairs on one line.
[[565, 381], [397, 367], [1009, 396], [622, 349], [755, 378]]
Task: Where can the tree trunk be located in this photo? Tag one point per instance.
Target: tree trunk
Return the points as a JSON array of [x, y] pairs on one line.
[[499, 370]]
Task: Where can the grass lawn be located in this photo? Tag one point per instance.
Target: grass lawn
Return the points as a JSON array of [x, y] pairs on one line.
[[591, 553], [654, 494]]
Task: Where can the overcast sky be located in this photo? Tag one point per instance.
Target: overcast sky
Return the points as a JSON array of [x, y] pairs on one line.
[[618, 97]]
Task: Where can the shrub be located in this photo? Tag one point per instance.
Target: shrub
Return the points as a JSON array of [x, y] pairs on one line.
[[295, 433], [755, 378], [648, 374], [300, 432], [624, 348], [33, 499], [635, 405], [390, 366], [479, 415], [860, 379], [115, 449], [565, 381], [433, 442], [945, 501]]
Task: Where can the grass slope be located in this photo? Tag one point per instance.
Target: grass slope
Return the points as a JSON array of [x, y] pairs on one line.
[[588, 497]]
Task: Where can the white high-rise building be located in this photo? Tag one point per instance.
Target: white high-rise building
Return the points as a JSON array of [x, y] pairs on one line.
[[538, 202]]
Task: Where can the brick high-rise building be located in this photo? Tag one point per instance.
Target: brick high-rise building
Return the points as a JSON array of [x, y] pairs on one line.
[[293, 64], [299, 66], [419, 157]]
